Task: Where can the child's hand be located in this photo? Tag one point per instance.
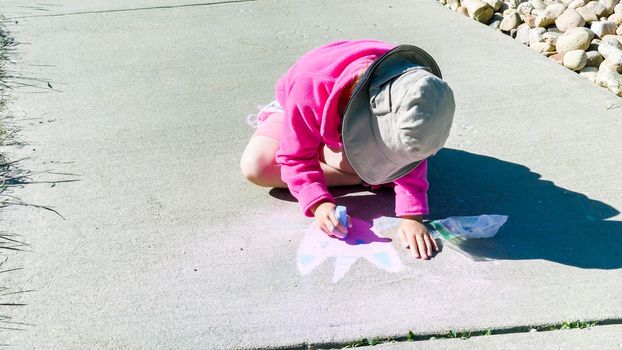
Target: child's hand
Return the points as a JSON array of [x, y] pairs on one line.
[[326, 220], [416, 236]]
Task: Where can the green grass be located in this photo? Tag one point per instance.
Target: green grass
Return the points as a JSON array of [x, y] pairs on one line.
[[464, 335]]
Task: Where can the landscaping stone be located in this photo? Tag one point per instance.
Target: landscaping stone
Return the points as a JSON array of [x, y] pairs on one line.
[[573, 39], [462, 10], [602, 28], [616, 18], [545, 19], [557, 27], [525, 8], [478, 10], [596, 7], [594, 59], [522, 33], [609, 6], [510, 21], [551, 37], [577, 3], [535, 35], [569, 19], [588, 14], [514, 3], [542, 47], [495, 4], [495, 21], [556, 9], [557, 57], [589, 73], [575, 59], [538, 4]]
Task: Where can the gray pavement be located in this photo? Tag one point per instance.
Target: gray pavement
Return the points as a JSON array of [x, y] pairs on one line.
[[164, 245]]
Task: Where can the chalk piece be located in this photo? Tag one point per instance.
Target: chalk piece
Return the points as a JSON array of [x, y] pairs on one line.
[[340, 214]]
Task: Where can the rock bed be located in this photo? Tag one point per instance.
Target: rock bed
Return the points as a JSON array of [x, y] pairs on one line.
[[584, 36]]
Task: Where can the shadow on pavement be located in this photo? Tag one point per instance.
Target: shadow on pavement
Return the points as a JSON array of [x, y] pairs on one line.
[[545, 221]]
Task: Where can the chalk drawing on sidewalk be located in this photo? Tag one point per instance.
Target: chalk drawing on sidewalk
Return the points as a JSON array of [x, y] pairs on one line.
[[363, 241]]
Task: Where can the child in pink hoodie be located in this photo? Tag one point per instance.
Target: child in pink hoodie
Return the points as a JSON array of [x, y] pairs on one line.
[[353, 112]]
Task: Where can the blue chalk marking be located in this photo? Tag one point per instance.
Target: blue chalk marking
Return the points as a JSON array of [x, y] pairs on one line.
[[305, 259], [383, 259], [360, 241]]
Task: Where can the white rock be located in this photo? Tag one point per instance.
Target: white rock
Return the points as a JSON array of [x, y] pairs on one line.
[[589, 73], [556, 9], [510, 21], [495, 21], [495, 4], [608, 73], [588, 14], [619, 31], [577, 3], [609, 6], [602, 28], [514, 3], [542, 47], [569, 19], [575, 59], [598, 8], [524, 8], [609, 47], [535, 35], [478, 10], [615, 18], [574, 39], [522, 33], [618, 8], [545, 19], [551, 37], [537, 4]]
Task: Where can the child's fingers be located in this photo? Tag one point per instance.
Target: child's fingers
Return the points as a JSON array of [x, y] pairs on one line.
[[413, 245], [338, 227], [421, 245], [349, 221], [434, 243], [428, 244], [402, 237]]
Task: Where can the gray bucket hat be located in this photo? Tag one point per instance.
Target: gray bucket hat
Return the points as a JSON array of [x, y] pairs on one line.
[[399, 114]]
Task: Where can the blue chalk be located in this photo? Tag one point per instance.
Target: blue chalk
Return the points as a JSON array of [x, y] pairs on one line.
[[340, 214]]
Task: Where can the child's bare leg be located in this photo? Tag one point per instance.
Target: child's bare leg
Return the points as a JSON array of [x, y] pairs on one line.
[[259, 166]]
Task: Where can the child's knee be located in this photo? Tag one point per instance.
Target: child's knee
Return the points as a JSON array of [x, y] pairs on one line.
[[255, 169]]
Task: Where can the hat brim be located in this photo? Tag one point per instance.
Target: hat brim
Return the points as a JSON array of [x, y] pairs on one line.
[[359, 125]]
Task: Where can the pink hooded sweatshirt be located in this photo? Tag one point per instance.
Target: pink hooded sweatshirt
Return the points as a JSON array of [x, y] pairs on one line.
[[309, 94]]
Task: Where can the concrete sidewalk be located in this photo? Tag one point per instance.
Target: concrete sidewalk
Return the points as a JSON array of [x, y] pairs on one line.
[[164, 245]]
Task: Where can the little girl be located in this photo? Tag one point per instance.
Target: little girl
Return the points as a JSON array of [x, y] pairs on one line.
[[353, 112]]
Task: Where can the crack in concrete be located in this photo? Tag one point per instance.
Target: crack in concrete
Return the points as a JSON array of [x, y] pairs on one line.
[[134, 9], [546, 327]]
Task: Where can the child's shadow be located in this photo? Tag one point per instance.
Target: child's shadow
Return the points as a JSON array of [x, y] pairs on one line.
[[545, 221]]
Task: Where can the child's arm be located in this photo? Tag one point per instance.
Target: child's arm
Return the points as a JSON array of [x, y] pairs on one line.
[[411, 204], [300, 144]]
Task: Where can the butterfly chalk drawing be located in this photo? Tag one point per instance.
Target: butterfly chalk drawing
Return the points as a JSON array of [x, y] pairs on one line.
[[363, 241]]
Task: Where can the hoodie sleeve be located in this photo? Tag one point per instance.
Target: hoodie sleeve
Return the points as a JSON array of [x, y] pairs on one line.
[[301, 141], [411, 192]]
